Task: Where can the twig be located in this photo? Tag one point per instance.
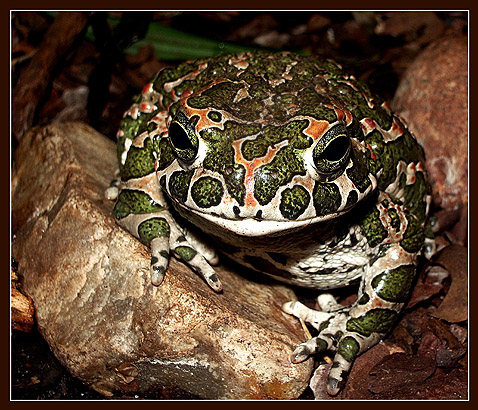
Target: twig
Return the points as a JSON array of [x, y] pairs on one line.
[[35, 79]]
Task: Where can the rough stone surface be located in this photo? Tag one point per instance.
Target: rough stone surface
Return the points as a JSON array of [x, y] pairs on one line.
[[95, 306], [433, 98]]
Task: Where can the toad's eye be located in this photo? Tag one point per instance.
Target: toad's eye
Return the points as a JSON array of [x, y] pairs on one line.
[[182, 135], [331, 154]]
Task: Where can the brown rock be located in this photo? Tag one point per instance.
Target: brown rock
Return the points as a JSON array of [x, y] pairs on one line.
[[97, 309], [433, 98]]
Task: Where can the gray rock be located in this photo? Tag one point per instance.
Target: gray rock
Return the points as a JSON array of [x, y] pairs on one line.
[[95, 305]]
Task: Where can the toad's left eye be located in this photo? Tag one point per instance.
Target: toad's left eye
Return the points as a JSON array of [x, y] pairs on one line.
[[332, 152], [182, 135]]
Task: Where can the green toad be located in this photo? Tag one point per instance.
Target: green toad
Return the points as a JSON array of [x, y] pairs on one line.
[[293, 169]]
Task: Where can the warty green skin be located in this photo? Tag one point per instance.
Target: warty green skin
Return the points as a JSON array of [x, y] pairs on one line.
[[294, 169]]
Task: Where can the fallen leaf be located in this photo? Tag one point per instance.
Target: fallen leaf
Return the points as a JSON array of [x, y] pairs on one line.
[[429, 286], [454, 307], [400, 370]]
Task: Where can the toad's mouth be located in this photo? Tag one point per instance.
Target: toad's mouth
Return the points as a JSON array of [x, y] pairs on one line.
[[249, 226]]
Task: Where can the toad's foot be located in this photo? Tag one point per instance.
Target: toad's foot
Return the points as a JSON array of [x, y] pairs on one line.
[[335, 326], [198, 255]]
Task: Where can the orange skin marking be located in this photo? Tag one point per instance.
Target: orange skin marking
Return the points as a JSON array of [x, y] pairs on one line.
[[251, 166], [397, 127], [373, 156], [146, 107], [250, 200], [377, 302], [316, 129], [342, 113], [370, 122], [147, 89], [204, 121], [186, 93]]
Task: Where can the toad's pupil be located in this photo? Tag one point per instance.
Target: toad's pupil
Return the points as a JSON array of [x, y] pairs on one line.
[[179, 137], [337, 149]]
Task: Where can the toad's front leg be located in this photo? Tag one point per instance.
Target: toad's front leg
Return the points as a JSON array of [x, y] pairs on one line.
[[153, 224], [350, 331], [142, 210]]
